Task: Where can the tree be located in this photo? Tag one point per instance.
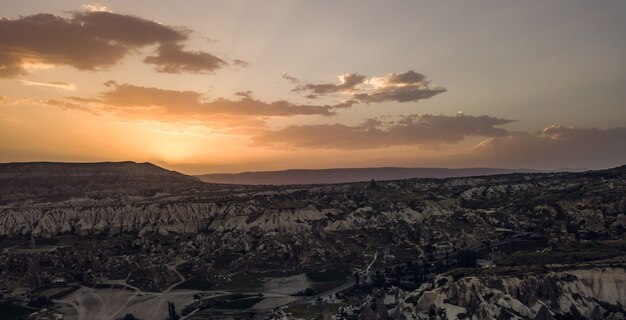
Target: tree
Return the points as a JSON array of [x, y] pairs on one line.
[[439, 267], [357, 278], [467, 259], [373, 185], [379, 279], [39, 302], [171, 310]]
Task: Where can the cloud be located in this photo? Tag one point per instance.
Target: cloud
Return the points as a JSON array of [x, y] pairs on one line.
[[56, 84], [241, 63], [406, 78], [556, 147], [347, 83], [148, 103], [424, 130], [171, 58], [95, 7], [400, 87], [10, 65], [399, 94], [95, 39], [289, 78], [64, 105]]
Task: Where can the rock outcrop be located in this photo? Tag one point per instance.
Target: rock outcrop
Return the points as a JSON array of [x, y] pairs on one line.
[[572, 294]]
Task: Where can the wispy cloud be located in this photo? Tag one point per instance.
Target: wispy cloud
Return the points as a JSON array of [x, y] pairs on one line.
[[290, 78], [65, 105], [56, 84]]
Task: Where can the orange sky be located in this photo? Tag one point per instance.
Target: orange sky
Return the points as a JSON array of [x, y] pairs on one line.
[[244, 86]]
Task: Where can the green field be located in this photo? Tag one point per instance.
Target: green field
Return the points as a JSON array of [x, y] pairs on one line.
[[567, 254]]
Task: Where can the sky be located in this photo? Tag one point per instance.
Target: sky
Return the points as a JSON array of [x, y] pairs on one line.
[[233, 86]]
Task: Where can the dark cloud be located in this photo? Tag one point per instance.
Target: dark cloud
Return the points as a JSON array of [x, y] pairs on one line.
[[246, 94], [241, 63], [126, 29], [556, 147], [399, 87], [160, 104], [347, 83], [10, 64], [171, 58], [95, 40], [428, 130], [289, 78], [409, 77]]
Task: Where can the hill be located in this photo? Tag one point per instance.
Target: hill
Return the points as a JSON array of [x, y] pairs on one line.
[[61, 180], [320, 176]]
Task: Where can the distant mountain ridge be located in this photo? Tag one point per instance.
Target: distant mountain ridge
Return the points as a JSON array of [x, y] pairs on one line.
[[83, 168], [342, 175], [20, 180]]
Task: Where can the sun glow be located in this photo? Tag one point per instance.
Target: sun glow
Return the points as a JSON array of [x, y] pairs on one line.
[[37, 65], [174, 151]]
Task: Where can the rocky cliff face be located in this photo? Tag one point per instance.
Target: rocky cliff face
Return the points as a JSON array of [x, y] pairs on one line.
[[293, 227], [572, 294], [592, 203], [108, 220]]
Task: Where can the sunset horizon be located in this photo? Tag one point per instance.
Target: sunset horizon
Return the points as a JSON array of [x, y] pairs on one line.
[[312, 160], [244, 86]]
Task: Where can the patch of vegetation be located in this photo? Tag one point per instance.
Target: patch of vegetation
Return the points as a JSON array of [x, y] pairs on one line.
[[224, 260], [459, 273], [325, 286], [77, 242], [467, 259], [312, 311], [569, 254], [458, 224], [195, 284], [241, 281], [55, 292], [10, 311], [46, 241], [307, 292], [239, 304], [305, 311], [522, 245], [330, 275]]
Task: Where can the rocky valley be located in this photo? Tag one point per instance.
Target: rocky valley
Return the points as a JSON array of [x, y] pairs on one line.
[[513, 246]]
